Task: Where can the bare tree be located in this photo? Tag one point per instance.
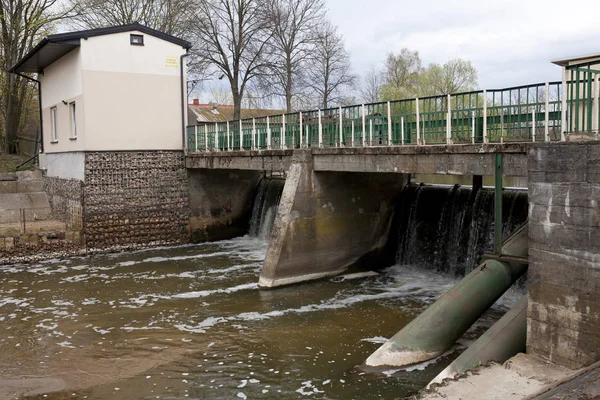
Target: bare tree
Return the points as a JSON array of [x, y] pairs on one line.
[[22, 23], [402, 72], [293, 22], [372, 86], [328, 71], [232, 37], [175, 17]]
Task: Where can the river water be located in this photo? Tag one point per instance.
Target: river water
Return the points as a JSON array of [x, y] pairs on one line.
[[190, 322]]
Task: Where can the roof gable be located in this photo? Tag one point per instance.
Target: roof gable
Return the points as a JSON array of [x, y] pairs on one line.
[[53, 47]]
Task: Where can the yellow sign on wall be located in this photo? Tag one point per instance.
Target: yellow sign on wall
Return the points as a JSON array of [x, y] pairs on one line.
[[172, 62]]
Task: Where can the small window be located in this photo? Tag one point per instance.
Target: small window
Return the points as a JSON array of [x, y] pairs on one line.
[[72, 112], [54, 124], [136, 40]]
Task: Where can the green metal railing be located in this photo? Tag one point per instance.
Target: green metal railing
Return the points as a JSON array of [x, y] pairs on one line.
[[518, 114]]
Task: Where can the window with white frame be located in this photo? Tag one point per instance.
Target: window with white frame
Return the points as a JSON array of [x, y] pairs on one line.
[[54, 124], [73, 115]]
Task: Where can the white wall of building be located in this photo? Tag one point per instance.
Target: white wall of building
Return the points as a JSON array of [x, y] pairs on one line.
[[133, 95], [127, 97], [62, 83], [68, 165]]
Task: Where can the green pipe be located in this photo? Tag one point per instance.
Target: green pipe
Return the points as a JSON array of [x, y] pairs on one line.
[[505, 339], [439, 326]]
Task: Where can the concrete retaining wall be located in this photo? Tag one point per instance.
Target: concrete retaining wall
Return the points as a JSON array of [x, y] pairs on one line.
[[220, 203], [564, 237], [137, 198], [327, 222]]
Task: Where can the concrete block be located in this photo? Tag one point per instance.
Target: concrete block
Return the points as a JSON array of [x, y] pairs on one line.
[[29, 175], [8, 187], [8, 176], [17, 201], [28, 186]]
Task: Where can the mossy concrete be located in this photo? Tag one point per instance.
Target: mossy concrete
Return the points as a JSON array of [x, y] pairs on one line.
[[327, 221]]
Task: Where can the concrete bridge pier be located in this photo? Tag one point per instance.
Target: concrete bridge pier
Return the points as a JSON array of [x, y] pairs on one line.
[[328, 221]]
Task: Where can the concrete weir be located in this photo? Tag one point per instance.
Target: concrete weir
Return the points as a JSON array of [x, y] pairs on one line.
[[328, 221]]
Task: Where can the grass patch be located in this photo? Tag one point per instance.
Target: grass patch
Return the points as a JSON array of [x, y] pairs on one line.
[[8, 163]]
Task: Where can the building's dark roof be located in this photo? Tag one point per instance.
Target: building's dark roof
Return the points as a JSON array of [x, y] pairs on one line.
[[563, 62], [53, 47], [199, 114]]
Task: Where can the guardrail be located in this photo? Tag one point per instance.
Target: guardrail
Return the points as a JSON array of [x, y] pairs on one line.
[[519, 114]]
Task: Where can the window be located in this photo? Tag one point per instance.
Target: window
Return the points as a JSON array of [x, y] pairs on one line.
[[136, 40], [54, 124], [72, 113]]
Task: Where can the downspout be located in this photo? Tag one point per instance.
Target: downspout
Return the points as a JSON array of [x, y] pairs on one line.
[[183, 105], [40, 108]]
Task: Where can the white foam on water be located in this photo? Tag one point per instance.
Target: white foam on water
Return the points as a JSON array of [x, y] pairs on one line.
[[376, 339], [205, 293], [201, 327]]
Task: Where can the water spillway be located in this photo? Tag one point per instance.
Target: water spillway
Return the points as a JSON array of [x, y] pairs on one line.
[[265, 206], [448, 228]]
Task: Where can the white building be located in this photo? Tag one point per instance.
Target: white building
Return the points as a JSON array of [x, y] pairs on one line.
[[110, 89]]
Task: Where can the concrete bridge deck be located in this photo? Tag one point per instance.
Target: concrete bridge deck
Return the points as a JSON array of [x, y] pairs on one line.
[[465, 159]]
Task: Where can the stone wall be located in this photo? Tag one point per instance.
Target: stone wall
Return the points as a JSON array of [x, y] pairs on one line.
[[135, 198], [66, 200], [564, 239]]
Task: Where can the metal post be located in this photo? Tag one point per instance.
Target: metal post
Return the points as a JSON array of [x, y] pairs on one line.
[[418, 122], [498, 205], [241, 136], [389, 118], [205, 137], [300, 116], [533, 125], [370, 132], [485, 135], [563, 108], [228, 143], [283, 132], [268, 133], [364, 125], [547, 114], [196, 133], [449, 123], [341, 129], [217, 136], [352, 134], [320, 130], [473, 127], [402, 130], [596, 107], [253, 133]]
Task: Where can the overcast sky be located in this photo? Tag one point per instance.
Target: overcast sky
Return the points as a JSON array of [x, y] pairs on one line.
[[509, 42]]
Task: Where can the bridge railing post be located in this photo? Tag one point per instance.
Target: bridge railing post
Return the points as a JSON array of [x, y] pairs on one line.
[[241, 136], [217, 136], [533, 125], [370, 132], [196, 133], [268, 133], [320, 130], [364, 125], [352, 134], [473, 127], [402, 131], [596, 105], [563, 108], [485, 132], [205, 137], [418, 122], [389, 124], [283, 145], [300, 117], [228, 143], [253, 133], [547, 114], [449, 122], [341, 127]]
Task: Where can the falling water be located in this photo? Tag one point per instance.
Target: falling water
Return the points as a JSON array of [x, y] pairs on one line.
[[265, 207], [448, 228]]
